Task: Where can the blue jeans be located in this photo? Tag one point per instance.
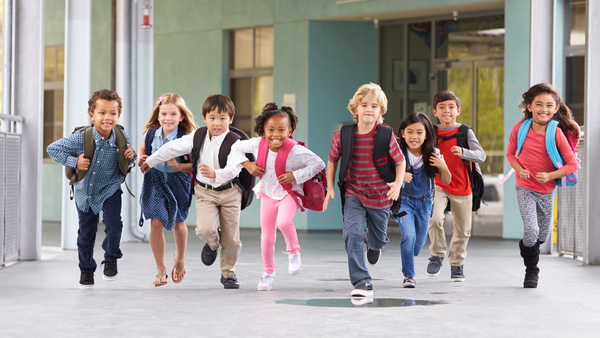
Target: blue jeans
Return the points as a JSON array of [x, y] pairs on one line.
[[413, 227], [88, 226], [355, 217]]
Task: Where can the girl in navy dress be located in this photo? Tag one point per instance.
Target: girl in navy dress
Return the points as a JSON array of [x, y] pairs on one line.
[[165, 195]]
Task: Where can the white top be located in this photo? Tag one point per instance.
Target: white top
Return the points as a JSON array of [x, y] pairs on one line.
[[303, 163], [414, 161], [209, 154]]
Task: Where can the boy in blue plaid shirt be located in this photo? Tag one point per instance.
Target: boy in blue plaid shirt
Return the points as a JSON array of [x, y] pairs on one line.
[[100, 189]]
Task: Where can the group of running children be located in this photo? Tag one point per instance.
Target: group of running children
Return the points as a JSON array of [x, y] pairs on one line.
[[430, 170]]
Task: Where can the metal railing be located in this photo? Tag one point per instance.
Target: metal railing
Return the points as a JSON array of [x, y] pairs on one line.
[[10, 187], [570, 229]]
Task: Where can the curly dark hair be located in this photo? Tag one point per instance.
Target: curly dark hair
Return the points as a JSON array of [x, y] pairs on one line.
[[271, 109], [104, 94]]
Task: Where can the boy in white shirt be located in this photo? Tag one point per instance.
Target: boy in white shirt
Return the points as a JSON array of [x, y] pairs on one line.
[[209, 147]]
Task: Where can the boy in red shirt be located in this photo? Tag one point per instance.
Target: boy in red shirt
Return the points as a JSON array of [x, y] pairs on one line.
[[458, 192], [368, 196]]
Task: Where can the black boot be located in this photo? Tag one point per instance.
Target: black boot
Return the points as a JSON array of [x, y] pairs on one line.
[[531, 257]]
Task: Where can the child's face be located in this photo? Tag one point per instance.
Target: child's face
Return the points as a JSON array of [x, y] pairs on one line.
[[105, 116], [415, 136], [217, 122], [368, 111], [447, 112], [169, 117], [543, 108], [277, 130]]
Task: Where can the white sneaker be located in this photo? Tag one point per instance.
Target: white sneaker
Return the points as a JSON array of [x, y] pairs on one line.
[[295, 263], [266, 282]]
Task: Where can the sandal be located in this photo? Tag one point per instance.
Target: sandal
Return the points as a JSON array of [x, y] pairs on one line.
[[178, 268], [161, 276]]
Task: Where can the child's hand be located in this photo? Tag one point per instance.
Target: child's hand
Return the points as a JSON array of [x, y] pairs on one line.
[[286, 178], [82, 163], [394, 190], [524, 174], [543, 177], [129, 154], [253, 169], [329, 196], [206, 171], [144, 167], [142, 160], [173, 164], [438, 161], [407, 177], [458, 151]]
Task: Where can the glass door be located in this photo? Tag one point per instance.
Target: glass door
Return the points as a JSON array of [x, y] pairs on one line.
[[480, 87]]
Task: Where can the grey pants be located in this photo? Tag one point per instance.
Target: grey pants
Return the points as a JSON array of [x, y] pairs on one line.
[[536, 211]]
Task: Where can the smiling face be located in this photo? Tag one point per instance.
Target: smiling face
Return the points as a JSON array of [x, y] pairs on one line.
[[169, 117], [105, 116], [217, 122], [368, 111], [543, 108], [415, 136], [447, 112], [277, 130]]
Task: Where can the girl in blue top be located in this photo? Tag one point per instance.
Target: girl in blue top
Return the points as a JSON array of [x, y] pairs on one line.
[[165, 195], [422, 164]]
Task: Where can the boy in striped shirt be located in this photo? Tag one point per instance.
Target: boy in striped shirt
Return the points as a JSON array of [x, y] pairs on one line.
[[368, 196]]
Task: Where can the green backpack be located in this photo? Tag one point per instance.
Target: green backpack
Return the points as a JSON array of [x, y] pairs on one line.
[[89, 146]]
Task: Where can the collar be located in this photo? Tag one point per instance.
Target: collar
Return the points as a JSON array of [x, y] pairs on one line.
[[97, 137], [219, 138], [170, 137]]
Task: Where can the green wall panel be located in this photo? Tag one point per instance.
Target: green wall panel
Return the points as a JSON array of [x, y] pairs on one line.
[[101, 31], [54, 23], [516, 82]]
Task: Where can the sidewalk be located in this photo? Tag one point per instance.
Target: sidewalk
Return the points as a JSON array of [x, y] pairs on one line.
[[43, 299]]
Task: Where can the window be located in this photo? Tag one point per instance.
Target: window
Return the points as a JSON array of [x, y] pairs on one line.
[[250, 74], [574, 63], [54, 73]]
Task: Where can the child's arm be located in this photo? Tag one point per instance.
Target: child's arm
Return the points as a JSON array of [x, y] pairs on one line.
[[179, 147], [440, 164], [67, 151], [396, 186], [235, 160], [331, 169], [475, 152], [567, 154], [142, 155], [307, 162], [183, 167]]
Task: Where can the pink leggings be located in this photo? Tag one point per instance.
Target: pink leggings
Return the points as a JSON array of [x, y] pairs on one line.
[[275, 213]]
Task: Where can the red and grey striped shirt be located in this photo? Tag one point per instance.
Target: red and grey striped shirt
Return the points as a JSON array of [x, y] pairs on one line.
[[362, 179]]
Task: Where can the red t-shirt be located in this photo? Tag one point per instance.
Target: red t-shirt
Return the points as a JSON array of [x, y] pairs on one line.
[[362, 179], [459, 185]]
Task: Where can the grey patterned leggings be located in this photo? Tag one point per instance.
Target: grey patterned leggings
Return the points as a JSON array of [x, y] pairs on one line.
[[536, 211]]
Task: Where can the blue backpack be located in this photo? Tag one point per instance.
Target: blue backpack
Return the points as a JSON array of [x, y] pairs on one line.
[[557, 159]]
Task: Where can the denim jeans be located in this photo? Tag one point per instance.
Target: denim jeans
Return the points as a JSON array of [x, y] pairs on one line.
[[88, 226], [413, 227], [355, 217]]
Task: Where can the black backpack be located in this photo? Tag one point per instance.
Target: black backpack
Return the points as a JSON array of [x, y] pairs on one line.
[[384, 163], [244, 180], [474, 174], [89, 147]]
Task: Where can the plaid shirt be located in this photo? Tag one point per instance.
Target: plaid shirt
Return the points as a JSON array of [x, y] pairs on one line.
[[103, 178]]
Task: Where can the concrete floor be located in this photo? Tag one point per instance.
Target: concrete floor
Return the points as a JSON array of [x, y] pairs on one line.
[[42, 298]]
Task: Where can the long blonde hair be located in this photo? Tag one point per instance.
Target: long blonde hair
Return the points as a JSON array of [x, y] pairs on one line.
[[187, 123]]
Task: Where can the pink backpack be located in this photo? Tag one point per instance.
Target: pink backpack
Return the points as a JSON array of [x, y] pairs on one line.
[[314, 189]]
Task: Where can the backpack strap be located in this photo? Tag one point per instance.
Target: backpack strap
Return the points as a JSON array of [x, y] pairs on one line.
[[125, 164], [522, 135], [263, 152], [89, 147], [199, 136], [462, 137], [347, 145], [381, 153], [225, 149], [148, 140]]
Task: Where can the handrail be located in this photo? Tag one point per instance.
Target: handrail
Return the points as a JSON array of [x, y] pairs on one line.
[[15, 118]]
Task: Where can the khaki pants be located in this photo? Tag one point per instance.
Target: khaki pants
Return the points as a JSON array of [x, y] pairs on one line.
[[224, 205], [460, 206]]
